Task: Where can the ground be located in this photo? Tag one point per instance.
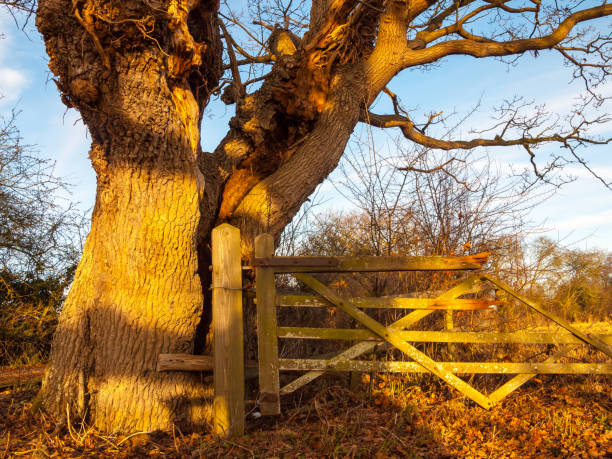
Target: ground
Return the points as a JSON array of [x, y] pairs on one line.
[[551, 416]]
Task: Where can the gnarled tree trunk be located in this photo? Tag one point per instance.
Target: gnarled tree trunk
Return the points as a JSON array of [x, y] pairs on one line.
[[137, 290]]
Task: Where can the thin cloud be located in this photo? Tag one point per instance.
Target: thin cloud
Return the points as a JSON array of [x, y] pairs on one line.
[[12, 80], [12, 84]]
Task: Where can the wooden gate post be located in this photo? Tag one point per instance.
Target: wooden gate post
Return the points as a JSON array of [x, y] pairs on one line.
[[267, 343], [228, 345]]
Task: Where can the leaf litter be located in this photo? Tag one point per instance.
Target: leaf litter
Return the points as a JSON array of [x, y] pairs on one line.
[[567, 416]]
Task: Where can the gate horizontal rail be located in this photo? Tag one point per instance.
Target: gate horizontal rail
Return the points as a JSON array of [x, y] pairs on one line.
[[397, 302], [369, 263], [428, 336], [183, 362], [453, 367]]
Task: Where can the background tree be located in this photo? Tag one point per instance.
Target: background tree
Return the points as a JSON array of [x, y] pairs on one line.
[[40, 244], [576, 283], [467, 207], [585, 291], [141, 72], [39, 231]]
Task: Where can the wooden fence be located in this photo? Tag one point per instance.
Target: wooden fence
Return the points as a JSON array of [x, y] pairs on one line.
[[227, 328]]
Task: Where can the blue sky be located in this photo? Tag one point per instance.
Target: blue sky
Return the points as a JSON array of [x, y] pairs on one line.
[[580, 213]]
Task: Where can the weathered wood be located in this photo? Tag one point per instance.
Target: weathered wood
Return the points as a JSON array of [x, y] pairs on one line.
[[453, 367], [449, 323], [462, 304], [448, 318], [392, 337], [349, 334], [227, 332], [272, 261], [470, 285], [185, 362], [22, 375], [189, 362], [266, 329], [372, 336], [370, 263], [595, 342], [352, 352]]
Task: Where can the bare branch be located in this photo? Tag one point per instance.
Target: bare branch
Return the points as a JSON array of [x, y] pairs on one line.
[[492, 48], [410, 131], [233, 62], [569, 140], [428, 170]]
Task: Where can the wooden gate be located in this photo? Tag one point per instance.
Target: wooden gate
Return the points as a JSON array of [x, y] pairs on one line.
[[395, 334], [228, 363]]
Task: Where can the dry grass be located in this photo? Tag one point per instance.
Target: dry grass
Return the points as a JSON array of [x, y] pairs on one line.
[[385, 417]]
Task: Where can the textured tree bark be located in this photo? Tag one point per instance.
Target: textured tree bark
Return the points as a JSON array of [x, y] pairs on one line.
[[136, 294], [137, 290], [273, 201]]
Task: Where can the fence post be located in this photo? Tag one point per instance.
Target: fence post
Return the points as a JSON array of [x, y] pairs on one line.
[[267, 343], [227, 332]]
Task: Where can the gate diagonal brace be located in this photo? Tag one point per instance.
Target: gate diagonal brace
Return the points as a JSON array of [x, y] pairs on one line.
[[392, 337], [470, 285], [592, 340]]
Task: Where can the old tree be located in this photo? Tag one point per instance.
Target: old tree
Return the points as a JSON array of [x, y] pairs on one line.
[[141, 72]]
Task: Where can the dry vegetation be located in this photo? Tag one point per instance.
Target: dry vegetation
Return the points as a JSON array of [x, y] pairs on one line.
[[385, 417]]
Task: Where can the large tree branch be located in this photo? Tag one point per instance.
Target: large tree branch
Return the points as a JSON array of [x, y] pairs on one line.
[[411, 132], [568, 140], [493, 48], [386, 58], [336, 15]]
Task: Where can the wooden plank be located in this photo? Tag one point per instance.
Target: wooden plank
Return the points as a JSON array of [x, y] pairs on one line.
[[350, 334], [595, 342], [227, 332], [272, 261], [449, 323], [454, 367], [392, 337], [448, 318], [189, 362], [470, 285], [185, 362], [21, 375], [463, 304], [267, 343], [371, 263]]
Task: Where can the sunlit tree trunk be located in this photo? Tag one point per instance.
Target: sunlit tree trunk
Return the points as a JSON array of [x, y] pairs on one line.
[[137, 290]]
